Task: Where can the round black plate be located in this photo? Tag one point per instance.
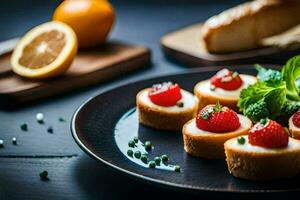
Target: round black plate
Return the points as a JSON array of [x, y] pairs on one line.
[[93, 126]]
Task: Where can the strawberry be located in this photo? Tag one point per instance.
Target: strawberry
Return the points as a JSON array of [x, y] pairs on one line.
[[227, 80], [165, 94], [217, 119], [268, 133], [296, 119]]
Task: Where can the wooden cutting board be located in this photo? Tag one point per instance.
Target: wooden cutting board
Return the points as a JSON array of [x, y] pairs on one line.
[[88, 68], [184, 46]]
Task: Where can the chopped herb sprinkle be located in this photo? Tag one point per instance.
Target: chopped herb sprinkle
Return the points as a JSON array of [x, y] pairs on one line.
[[136, 139], [14, 140], [148, 145], [44, 175], [1, 143], [157, 160], [61, 119], [40, 118], [130, 152], [131, 143], [152, 164], [165, 158], [241, 140], [24, 127], [180, 104], [177, 168], [137, 154], [144, 158], [50, 129], [263, 121]]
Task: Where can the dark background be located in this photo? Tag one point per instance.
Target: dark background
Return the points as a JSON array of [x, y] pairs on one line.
[[73, 175]]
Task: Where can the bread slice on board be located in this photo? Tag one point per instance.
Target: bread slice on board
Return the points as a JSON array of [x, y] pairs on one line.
[[243, 27]]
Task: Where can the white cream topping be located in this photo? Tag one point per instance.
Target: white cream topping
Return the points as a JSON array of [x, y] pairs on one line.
[[206, 87], [292, 125], [193, 129], [188, 99], [249, 147]]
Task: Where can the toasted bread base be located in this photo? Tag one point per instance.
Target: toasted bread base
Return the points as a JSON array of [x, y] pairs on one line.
[[294, 130], [210, 145], [253, 165], [243, 27], [162, 120]]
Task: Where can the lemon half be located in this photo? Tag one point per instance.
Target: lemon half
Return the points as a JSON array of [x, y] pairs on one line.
[[45, 51]]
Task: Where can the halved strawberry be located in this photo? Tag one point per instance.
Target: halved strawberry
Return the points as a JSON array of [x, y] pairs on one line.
[[227, 80], [296, 119], [217, 119], [165, 94], [268, 133]]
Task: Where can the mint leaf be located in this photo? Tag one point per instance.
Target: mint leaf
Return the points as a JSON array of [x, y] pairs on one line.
[[290, 73]]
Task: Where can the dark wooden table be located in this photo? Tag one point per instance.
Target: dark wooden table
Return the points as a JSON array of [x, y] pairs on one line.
[[73, 175]]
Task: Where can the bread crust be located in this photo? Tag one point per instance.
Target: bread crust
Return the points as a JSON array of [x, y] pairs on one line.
[[294, 130], [211, 145], [242, 27], [162, 120], [262, 165]]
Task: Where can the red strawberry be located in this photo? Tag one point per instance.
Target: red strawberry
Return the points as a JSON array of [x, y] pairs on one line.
[[227, 80], [268, 133], [296, 119], [217, 119], [165, 94]]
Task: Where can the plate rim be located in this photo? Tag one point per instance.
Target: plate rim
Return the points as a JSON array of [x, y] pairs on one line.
[[80, 143]]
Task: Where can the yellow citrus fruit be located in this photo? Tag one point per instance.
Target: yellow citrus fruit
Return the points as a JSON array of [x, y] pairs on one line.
[[45, 51], [90, 19]]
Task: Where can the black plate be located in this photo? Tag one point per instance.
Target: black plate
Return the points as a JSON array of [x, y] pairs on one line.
[[93, 127]]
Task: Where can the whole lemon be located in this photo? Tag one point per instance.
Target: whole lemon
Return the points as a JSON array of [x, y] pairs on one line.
[[91, 20]]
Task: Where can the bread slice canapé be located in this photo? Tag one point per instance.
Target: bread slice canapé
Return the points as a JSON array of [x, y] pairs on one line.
[[210, 145], [208, 96], [166, 118], [257, 163]]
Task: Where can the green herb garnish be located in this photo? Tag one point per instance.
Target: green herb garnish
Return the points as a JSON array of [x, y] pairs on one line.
[[136, 139], [61, 119], [157, 160], [275, 91], [44, 175], [263, 121], [131, 143], [152, 164], [180, 104], [257, 111], [50, 129], [164, 158], [137, 154], [24, 127], [148, 145], [177, 168], [241, 140], [144, 158], [130, 152]]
